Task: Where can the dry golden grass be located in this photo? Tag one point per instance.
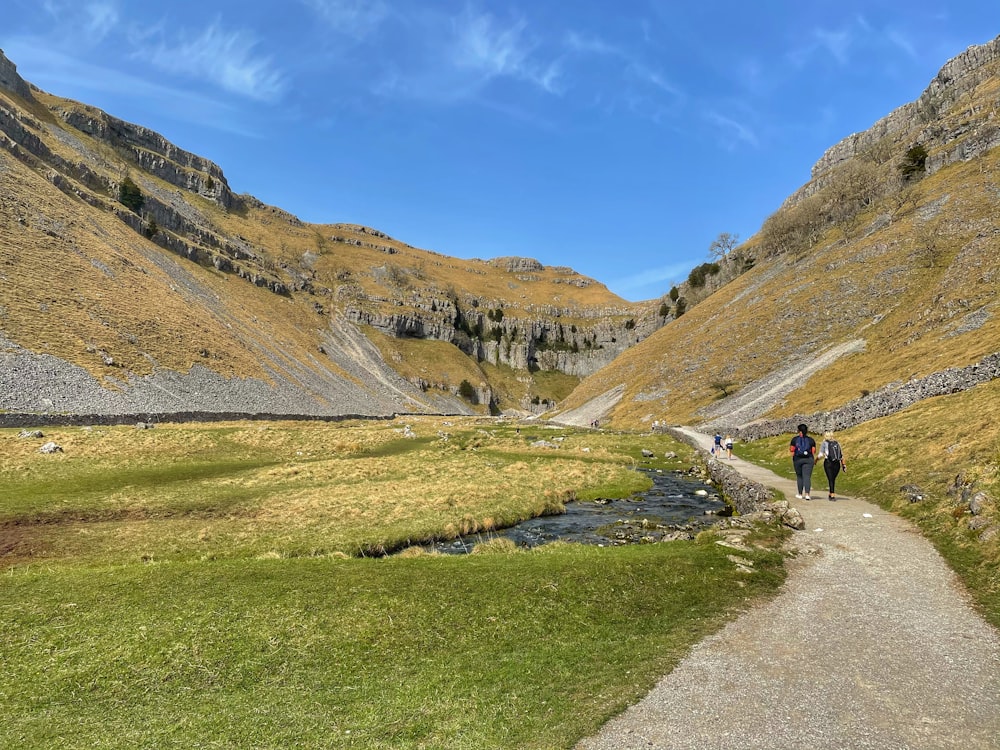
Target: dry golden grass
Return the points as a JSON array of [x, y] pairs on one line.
[[285, 489], [865, 279], [437, 363], [83, 286]]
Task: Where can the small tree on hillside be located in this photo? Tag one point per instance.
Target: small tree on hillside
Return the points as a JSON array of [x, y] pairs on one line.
[[723, 387], [130, 196], [914, 163], [466, 391], [723, 245]]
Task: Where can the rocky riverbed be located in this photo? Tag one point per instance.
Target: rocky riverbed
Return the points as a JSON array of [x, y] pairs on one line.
[[677, 506]]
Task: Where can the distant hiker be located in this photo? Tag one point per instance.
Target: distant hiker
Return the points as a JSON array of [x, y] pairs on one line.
[[803, 450], [833, 461], [717, 448], [729, 446]]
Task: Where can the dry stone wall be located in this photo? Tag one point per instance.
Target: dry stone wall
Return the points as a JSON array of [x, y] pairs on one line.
[[888, 400]]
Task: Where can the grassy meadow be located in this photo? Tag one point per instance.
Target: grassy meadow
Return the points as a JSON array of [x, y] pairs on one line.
[[214, 586]]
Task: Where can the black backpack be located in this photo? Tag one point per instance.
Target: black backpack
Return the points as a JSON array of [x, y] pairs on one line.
[[833, 451]]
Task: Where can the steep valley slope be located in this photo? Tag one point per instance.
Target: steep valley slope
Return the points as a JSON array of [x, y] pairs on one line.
[[135, 280], [882, 271]]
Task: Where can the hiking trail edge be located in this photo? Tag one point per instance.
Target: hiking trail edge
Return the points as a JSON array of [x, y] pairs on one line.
[[872, 643]]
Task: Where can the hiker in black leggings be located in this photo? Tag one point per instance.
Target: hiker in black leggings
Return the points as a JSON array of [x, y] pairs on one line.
[[803, 450], [833, 461]]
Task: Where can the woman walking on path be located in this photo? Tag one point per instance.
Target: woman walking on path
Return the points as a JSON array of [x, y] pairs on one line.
[[803, 450], [833, 461]]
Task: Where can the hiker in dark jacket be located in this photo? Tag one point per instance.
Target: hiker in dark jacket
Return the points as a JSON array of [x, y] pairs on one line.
[[833, 461], [803, 450]]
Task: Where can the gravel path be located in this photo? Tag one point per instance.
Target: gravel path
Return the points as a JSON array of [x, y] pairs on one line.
[[872, 643]]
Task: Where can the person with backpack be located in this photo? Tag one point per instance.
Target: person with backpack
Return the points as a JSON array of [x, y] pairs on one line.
[[833, 461], [717, 445], [803, 450]]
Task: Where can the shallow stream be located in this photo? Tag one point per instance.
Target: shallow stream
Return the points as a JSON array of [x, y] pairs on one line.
[[676, 506]]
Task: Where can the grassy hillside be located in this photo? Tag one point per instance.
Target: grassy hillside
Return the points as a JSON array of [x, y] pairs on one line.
[[181, 271], [904, 262]]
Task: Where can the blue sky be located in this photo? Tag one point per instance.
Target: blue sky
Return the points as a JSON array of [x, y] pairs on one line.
[[618, 138]]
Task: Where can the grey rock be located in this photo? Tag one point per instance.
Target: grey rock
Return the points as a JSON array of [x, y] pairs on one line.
[[978, 503], [543, 444]]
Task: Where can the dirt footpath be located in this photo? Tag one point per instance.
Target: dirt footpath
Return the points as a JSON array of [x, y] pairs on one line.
[[872, 643]]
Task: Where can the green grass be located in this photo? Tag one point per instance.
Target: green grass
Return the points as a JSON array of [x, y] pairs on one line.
[[530, 650], [197, 624], [248, 490]]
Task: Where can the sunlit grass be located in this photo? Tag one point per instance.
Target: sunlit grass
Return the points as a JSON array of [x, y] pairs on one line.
[[530, 650], [201, 594], [288, 489]]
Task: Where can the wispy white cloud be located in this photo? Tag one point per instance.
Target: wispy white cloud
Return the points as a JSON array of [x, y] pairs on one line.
[[827, 43], [732, 131], [83, 23], [652, 279], [653, 78], [101, 19], [224, 58], [590, 44], [642, 86], [459, 56], [68, 75], [836, 43], [353, 18], [903, 42], [492, 49]]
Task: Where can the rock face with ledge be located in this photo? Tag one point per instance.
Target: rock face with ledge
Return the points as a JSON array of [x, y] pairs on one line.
[[960, 75]]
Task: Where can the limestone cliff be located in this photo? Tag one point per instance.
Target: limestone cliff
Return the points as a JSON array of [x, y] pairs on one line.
[[132, 207]]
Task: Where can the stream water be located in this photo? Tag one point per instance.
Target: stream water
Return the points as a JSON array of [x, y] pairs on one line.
[[676, 506]]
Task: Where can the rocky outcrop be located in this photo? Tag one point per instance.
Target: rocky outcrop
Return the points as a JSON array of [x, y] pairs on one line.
[[957, 78], [151, 152], [513, 264], [10, 80], [536, 338]]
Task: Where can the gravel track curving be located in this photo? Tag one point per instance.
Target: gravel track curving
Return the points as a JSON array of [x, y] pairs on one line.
[[872, 644]]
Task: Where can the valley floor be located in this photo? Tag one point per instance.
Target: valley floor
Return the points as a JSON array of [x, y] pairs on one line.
[[872, 643]]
